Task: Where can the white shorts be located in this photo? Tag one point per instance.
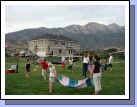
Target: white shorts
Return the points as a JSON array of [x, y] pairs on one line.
[[51, 79]]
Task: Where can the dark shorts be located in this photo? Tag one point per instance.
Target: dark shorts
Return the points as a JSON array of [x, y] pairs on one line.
[[70, 67], [51, 79], [28, 70]]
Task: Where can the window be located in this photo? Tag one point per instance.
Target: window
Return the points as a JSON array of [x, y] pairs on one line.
[[34, 43], [60, 51], [70, 51], [45, 42], [63, 43], [69, 44], [41, 42], [56, 43]]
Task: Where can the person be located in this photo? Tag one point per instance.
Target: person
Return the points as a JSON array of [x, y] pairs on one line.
[[85, 65], [52, 75], [110, 61], [70, 64], [35, 67], [105, 64], [27, 67], [44, 64], [96, 73], [63, 62], [35, 64]]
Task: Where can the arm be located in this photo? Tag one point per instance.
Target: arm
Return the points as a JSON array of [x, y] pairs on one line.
[[112, 60], [31, 62], [88, 61], [25, 67], [92, 70], [55, 73], [40, 60]]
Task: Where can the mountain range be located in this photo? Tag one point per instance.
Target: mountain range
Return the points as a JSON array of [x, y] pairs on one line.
[[92, 35]]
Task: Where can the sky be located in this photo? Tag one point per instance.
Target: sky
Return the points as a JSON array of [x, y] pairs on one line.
[[18, 17]]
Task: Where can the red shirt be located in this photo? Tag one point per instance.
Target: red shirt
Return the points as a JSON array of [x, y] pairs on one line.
[[44, 65]]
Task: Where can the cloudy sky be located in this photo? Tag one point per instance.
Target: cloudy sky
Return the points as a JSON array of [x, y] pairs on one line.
[[18, 17]]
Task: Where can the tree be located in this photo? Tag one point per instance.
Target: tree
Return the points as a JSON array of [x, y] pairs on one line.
[[36, 49]]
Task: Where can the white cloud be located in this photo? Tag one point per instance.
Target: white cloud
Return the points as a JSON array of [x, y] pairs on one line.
[[27, 16]]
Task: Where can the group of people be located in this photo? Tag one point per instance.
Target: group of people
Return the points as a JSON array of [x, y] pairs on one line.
[[70, 62], [45, 66], [94, 72]]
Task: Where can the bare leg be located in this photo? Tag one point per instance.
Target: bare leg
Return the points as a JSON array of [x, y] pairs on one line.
[[29, 74], [43, 74], [35, 68], [110, 69], [50, 86], [26, 73]]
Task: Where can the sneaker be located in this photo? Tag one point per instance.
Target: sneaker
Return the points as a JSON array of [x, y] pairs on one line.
[[96, 93], [50, 91]]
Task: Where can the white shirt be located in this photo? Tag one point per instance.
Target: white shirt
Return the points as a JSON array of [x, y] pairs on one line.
[[52, 71], [63, 59], [110, 59], [70, 62], [86, 60]]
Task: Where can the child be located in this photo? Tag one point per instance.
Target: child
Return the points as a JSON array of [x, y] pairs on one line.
[[63, 62], [28, 68], [44, 68], [52, 76]]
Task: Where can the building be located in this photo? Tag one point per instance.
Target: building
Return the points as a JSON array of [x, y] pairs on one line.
[[56, 45]]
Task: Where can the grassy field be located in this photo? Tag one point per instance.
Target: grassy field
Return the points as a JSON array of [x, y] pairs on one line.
[[113, 83]]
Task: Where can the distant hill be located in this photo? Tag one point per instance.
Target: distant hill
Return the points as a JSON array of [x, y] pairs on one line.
[[92, 35]]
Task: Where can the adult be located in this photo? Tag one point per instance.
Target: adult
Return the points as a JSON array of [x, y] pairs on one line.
[[96, 73], [110, 61], [85, 65]]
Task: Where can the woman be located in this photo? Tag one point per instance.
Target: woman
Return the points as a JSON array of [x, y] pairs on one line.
[[96, 73], [85, 65]]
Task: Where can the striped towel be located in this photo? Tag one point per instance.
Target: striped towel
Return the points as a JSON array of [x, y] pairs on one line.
[[65, 81]]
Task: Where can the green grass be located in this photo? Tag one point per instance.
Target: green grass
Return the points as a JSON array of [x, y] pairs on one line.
[[113, 83]]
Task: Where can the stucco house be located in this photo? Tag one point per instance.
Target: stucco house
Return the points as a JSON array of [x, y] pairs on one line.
[[56, 45]]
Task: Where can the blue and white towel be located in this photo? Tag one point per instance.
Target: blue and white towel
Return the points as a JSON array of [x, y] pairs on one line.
[[65, 81]]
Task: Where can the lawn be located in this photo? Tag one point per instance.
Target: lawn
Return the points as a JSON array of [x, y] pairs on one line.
[[113, 83]]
